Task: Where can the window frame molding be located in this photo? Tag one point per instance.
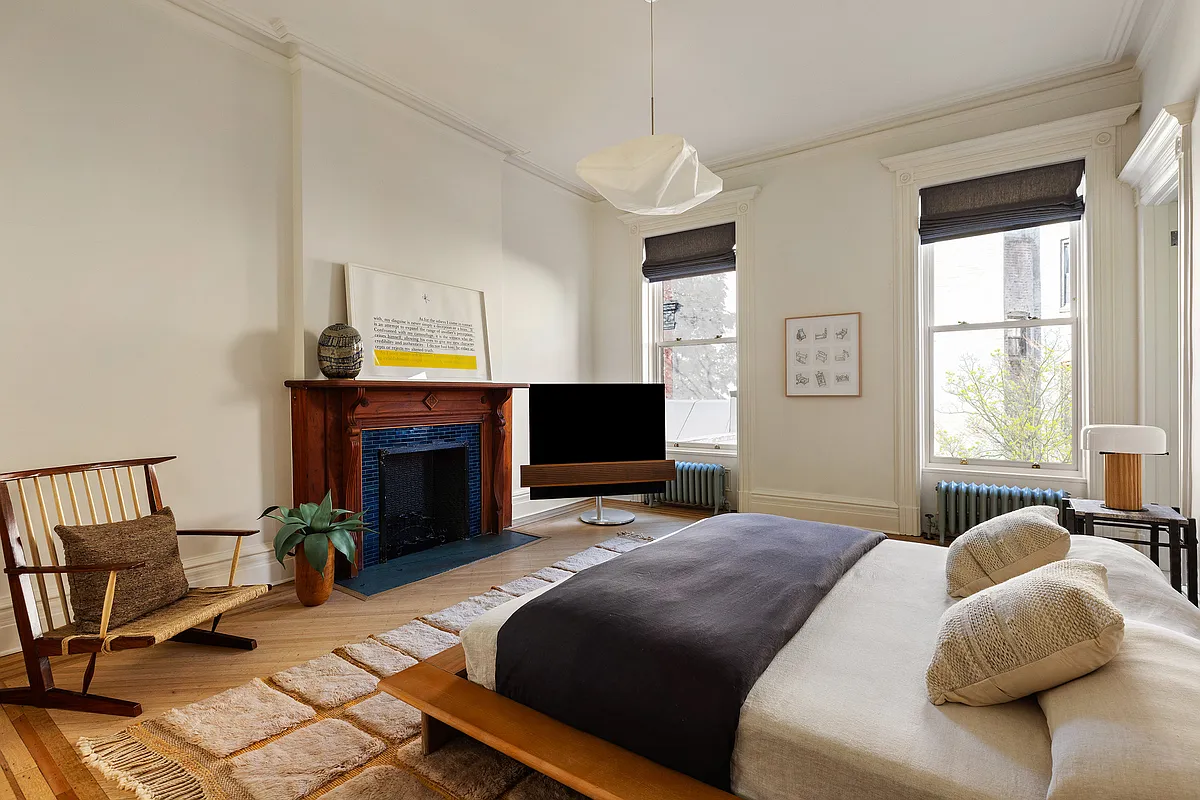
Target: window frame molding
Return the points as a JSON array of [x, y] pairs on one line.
[[1106, 238], [1159, 171], [655, 371], [932, 462], [735, 206]]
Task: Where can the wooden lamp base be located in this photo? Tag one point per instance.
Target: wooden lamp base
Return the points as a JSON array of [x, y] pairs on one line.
[[1123, 481]]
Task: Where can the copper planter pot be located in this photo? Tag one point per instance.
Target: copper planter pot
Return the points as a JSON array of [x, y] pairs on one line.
[[313, 588]]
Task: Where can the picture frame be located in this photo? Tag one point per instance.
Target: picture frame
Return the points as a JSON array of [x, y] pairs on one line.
[[417, 329], [823, 355]]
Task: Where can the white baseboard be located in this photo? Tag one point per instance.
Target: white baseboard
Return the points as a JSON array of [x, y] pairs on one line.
[[859, 512], [526, 510], [207, 570]]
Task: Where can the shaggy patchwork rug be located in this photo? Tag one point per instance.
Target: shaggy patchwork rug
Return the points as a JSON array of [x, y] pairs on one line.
[[323, 729]]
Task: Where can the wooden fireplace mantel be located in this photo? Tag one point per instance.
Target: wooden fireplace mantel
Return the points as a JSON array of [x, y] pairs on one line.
[[329, 416]]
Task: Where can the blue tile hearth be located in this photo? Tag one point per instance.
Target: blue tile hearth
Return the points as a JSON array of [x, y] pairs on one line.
[[434, 561], [413, 438]]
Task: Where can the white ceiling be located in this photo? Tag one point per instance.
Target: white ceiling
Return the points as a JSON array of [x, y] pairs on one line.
[[561, 78]]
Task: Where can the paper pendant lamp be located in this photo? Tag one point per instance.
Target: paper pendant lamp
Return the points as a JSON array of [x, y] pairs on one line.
[[659, 174]]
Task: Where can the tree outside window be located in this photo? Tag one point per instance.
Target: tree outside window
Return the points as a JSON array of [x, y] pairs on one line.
[[1002, 348]]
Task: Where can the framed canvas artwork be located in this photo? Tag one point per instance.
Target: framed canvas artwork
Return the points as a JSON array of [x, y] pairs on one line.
[[415, 329], [824, 356]]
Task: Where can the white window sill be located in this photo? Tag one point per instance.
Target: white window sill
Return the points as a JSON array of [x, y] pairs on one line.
[[692, 449], [979, 473]]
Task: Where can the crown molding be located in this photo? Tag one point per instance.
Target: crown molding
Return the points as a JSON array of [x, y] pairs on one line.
[[1153, 169], [279, 43], [1126, 22], [1165, 11], [521, 162], [280, 38], [956, 111], [928, 163]]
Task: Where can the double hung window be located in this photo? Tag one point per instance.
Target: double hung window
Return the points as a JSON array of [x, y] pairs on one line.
[[1001, 324], [693, 291]]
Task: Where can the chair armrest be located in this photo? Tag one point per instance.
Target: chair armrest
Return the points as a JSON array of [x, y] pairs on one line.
[[237, 547], [79, 568]]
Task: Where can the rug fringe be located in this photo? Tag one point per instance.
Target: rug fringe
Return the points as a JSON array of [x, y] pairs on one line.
[[137, 768]]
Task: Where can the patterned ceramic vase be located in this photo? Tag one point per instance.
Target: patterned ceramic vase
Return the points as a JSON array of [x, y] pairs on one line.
[[340, 351]]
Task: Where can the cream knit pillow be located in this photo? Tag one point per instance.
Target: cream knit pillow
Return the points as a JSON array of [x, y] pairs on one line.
[[1004, 547], [1030, 633]]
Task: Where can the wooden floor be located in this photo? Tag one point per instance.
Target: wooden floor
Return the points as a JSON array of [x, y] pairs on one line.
[[36, 747]]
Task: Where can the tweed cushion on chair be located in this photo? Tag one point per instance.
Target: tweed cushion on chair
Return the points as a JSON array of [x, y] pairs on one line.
[[1004, 547], [161, 581], [1030, 633]]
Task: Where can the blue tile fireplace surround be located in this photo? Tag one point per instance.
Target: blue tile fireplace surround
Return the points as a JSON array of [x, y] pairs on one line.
[[340, 428], [421, 477]]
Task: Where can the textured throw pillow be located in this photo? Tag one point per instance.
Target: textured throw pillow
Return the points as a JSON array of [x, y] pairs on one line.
[[1004, 547], [1030, 633], [1129, 730], [161, 581]]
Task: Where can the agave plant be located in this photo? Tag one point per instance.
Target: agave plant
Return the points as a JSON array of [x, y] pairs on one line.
[[310, 527]]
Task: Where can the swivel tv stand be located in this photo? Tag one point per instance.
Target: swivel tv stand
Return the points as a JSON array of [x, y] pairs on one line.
[[612, 517], [599, 473]]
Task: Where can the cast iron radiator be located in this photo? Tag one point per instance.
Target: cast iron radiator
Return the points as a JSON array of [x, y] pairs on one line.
[[961, 506], [694, 485]]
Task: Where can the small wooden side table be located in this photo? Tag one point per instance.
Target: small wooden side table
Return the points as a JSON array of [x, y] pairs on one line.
[[1084, 516]]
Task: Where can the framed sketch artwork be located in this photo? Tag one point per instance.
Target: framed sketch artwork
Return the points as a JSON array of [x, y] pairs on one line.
[[824, 356], [414, 329]]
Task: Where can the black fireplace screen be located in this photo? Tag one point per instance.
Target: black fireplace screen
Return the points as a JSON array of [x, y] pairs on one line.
[[422, 498]]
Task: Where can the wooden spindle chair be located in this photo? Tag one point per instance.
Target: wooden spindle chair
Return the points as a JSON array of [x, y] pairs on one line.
[[114, 483]]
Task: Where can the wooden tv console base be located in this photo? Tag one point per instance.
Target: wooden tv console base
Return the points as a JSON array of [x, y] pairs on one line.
[[451, 705]]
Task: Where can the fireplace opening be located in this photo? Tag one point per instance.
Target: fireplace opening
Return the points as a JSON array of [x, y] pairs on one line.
[[423, 498]]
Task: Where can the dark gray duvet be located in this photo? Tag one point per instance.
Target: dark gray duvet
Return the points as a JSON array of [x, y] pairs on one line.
[[656, 651]]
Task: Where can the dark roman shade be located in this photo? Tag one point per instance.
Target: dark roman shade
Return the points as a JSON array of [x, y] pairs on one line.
[[702, 251], [997, 203]]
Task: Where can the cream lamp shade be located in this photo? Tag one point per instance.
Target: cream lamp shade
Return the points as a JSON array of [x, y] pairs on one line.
[[1123, 447], [656, 175], [1139, 439]]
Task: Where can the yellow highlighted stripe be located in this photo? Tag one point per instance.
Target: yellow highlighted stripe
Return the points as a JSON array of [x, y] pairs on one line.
[[400, 358]]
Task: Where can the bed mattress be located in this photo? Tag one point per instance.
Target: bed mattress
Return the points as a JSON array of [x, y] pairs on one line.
[[842, 710]]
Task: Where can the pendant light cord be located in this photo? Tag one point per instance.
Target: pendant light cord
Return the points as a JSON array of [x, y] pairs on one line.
[[651, 4]]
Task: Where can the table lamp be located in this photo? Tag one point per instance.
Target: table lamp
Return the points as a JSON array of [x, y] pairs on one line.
[[1123, 447]]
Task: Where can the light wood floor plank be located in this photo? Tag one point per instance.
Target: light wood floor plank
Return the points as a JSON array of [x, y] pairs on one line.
[[24, 767], [172, 675]]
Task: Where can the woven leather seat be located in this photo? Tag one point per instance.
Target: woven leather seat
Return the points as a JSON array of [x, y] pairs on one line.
[[194, 608]]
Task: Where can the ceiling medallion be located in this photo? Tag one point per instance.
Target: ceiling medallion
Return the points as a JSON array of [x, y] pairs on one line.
[[659, 174]]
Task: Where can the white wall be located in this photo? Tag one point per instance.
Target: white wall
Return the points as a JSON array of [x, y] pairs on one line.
[[144, 243], [381, 185], [385, 186], [547, 298], [173, 211], [824, 244]]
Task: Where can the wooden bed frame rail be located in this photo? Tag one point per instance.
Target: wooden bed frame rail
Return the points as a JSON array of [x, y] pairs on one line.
[[450, 704]]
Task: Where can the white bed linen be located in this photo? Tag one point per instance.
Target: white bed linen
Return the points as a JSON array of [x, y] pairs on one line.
[[842, 711]]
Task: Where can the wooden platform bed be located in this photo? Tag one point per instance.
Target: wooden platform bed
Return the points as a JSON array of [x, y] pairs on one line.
[[842, 709], [451, 705]]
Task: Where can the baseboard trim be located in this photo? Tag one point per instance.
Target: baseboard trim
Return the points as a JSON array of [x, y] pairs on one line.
[[526, 511], [859, 512]]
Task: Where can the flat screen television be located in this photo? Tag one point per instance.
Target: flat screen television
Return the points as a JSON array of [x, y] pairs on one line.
[[573, 423]]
